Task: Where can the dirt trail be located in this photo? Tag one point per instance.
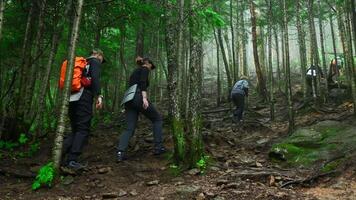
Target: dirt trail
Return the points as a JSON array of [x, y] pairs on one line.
[[240, 170]]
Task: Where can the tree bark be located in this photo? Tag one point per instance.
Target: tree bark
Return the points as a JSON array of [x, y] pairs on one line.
[[58, 142], [2, 8], [243, 39], [302, 50], [321, 32], [262, 90], [218, 85], [271, 79], [234, 63], [287, 76], [226, 63], [172, 48]]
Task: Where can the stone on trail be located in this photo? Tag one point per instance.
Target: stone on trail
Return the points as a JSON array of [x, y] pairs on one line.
[[133, 192], [122, 193], [68, 180], [188, 189], [200, 196], [194, 171], [110, 195], [151, 183]]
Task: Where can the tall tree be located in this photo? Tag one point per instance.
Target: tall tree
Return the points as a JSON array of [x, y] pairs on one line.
[[194, 146], [172, 49], [323, 59], [302, 48], [2, 8], [58, 142], [271, 79], [243, 38], [288, 73], [262, 90]]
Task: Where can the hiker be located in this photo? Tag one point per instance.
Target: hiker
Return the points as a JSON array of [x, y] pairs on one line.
[[311, 76], [238, 93], [136, 101], [81, 111], [334, 70]]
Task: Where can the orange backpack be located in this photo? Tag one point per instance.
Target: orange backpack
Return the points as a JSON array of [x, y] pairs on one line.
[[77, 82]]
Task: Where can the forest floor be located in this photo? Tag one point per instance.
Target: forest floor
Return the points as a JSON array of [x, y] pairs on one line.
[[241, 167]]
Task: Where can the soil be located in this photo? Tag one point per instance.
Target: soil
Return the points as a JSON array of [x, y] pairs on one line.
[[240, 166]]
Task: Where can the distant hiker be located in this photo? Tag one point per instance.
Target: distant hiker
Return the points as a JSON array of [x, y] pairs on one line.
[[334, 70], [136, 101], [311, 76], [238, 93], [81, 109]]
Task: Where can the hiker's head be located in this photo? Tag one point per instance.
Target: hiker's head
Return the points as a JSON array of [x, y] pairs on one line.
[[145, 62], [97, 53], [243, 77]]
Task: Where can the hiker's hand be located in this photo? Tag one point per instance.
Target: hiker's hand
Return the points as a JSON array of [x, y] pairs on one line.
[[99, 103], [145, 103]]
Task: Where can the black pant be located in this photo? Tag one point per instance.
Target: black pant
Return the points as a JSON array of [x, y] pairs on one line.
[[80, 114], [132, 110], [239, 101]]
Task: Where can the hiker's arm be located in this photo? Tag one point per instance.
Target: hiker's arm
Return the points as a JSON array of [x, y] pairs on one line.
[[95, 77]]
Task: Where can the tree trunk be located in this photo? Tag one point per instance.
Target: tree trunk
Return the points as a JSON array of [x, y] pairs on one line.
[[58, 142], [353, 19], [218, 85], [226, 63], [287, 76], [234, 63], [314, 54], [243, 39], [334, 46], [2, 8], [140, 41], [278, 62], [20, 109], [302, 50], [349, 54], [321, 31], [172, 49], [271, 80], [262, 90], [229, 55]]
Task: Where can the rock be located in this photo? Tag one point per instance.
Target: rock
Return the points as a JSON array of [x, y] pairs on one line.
[[149, 139], [188, 189], [262, 141], [122, 193], [200, 196], [133, 192], [104, 170], [222, 182], [210, 194], [194, 171], [68, 180], [151, 183], [272, 181], [258, 164], [100, 185], [231, 185], [110, 195], [213, 168], [219, 198]]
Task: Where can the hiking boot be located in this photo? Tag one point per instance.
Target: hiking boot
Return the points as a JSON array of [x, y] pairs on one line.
[[120, 156], [159, 151], [76, 166]]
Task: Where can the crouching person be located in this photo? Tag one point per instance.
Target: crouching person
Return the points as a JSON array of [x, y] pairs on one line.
[[238, 93], [136, 102]]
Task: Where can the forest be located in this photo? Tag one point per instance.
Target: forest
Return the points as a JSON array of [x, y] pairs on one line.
[[178, 99]]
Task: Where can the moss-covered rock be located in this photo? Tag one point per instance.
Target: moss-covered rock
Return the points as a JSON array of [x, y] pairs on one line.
[[316, 145]]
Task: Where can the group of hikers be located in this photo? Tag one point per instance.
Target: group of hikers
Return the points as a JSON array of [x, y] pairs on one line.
[[135, 102]]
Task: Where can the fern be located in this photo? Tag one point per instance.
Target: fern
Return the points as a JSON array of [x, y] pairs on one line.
[[44, 177]]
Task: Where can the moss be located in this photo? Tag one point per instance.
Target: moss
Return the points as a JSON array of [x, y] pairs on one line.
[[315, 145], [178, 134], [331, 166]]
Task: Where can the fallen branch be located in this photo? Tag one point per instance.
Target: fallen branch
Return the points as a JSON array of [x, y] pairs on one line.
[[216, 111], [17, 173], [307, 180]]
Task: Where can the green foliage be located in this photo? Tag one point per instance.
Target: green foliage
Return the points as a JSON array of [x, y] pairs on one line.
[[178, 133], [23, 139], [175, 170], [45, 176], [8, 145], [203, 163], [215, 18], [34, 148]]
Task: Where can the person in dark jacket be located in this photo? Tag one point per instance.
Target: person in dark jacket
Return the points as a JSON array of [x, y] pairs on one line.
[[81, 111], [140, 104], [238, 93]]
